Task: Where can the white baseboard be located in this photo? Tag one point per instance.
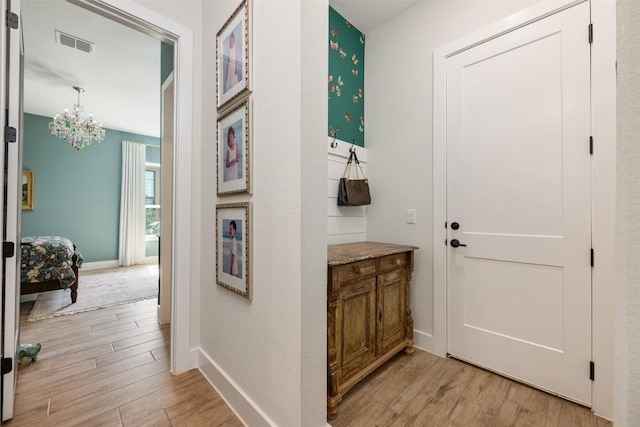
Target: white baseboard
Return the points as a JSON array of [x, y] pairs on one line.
[[98, 265], [28, 298], [423, 341], [86, 266], [239, 402]]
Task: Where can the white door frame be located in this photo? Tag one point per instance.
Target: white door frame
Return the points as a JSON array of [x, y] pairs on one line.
[[603, 95], [166, 175], [12, 98], [136, 16]]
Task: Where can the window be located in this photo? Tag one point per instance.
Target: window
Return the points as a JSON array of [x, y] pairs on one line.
[[152, 200], [149, 187]]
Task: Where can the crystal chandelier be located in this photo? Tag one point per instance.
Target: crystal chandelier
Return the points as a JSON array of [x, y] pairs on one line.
[[71, 127]]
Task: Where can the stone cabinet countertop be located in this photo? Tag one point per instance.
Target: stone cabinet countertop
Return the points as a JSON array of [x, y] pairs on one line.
[[346, 253]]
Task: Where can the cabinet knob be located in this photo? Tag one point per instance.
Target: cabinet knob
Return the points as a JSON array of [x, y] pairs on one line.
[[398, 262], [360, 270]]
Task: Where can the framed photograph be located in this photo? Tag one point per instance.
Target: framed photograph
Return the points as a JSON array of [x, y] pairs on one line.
[[233, 247], [234, 141], [233, 56], [27, 190]]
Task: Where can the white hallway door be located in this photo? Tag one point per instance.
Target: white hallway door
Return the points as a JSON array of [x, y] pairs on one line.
[[519, 189]]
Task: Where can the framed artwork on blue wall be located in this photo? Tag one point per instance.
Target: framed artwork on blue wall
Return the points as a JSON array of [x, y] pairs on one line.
[[27, 190], [233, 248], [233, 57], [234, 153]]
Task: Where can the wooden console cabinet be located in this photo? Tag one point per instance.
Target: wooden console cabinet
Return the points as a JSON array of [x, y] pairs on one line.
[[368, 312]]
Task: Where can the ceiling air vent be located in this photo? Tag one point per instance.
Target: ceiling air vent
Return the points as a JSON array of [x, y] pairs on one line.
[[74, 42]]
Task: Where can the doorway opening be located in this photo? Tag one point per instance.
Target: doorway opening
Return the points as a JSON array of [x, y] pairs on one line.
[[99, 211], [179, 201]]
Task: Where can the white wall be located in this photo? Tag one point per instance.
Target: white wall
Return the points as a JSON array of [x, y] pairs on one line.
[[398, 80], [189, 14], [313, 269], [627, 396], [265, 357], [268, 356]]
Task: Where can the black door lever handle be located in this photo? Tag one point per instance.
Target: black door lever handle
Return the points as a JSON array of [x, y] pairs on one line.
[[455, 243]]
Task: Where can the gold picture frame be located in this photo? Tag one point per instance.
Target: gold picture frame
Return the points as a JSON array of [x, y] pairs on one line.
[[233, 248], [27, 190], [233, 57], [234, 150]]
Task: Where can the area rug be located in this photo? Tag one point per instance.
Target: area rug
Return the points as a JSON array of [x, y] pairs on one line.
[[99, 290]]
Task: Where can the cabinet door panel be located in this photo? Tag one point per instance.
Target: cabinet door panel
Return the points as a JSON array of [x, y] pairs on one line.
[[391, 310], [356, 341]]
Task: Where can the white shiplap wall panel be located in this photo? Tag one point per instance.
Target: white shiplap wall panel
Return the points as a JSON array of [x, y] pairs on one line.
[[332, 189], [336, 165], [334, 210], [346, 238], [342, 150], [345, 224]]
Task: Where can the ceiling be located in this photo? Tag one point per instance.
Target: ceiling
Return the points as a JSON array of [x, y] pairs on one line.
[[121, 77], [366, 15]]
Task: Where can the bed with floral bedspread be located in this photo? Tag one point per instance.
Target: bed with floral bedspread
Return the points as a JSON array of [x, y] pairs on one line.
[[49, 263]]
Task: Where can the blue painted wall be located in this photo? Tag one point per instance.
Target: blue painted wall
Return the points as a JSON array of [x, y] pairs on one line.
[[76, 193], [166, 60], [152, 153]]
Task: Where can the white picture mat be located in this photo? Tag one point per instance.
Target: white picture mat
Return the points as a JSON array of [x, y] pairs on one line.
[[239, 283], [237, 119], [229, 84]]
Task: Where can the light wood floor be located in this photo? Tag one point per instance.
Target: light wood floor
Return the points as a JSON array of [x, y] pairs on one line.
[[108, 368], [427, 390], [111, 368]]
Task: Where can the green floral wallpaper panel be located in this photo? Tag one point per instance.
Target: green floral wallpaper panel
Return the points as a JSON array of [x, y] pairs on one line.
[[346, 80]]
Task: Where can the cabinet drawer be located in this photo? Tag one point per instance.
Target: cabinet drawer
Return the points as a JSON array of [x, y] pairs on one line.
[[394, 261], [355, 270]]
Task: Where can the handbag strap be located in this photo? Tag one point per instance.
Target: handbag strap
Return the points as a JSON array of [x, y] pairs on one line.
[[347, 166], [358, 167], [353, 158]]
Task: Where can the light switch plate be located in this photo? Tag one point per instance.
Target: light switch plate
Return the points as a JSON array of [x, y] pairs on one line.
[[411, 216]]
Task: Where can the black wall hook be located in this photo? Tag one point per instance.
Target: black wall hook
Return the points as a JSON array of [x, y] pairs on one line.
[[353, 148], [334, 144]]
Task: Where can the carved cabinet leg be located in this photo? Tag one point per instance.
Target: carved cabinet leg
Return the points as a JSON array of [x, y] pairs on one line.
[[409, 319], [333, 397], [332, 406]]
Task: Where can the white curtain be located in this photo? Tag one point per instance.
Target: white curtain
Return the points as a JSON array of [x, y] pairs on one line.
[[132, 205]]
